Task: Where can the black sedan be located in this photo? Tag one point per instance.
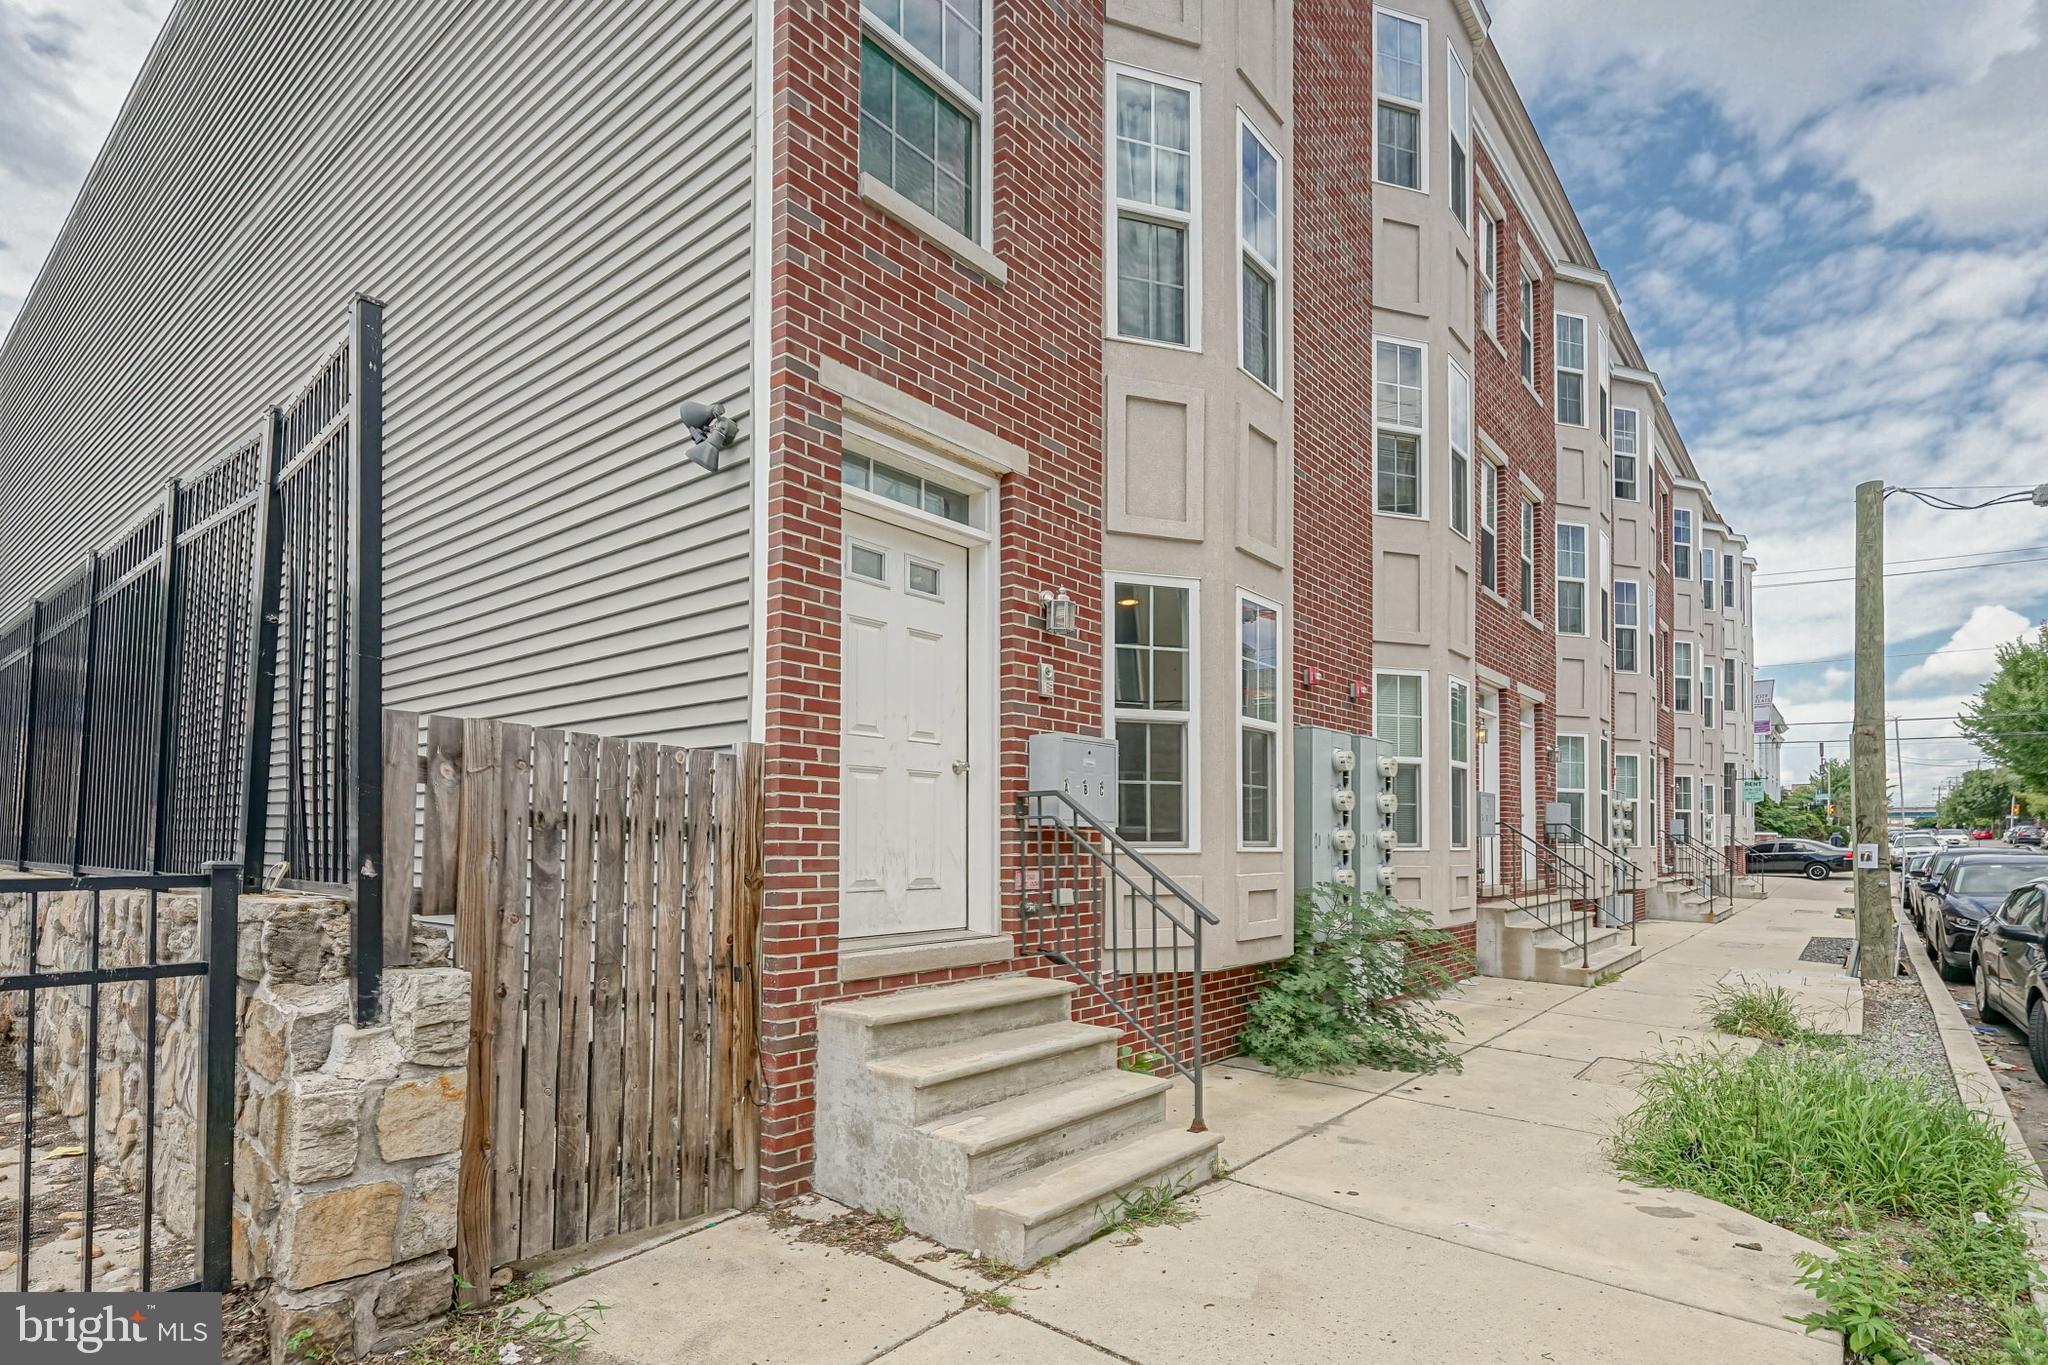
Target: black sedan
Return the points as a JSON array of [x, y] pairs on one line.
[[1960, 899], [2007, 961], [1915, 863], [1803, 857]]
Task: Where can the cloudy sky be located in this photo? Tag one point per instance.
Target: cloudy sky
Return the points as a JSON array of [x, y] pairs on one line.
[[1828, 220]]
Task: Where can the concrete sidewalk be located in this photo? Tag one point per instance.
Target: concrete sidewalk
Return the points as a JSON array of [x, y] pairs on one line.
[[1377, 1216]]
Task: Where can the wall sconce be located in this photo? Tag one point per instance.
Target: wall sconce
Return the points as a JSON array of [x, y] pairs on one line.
[[1479, 730], [1056, 613], [711, 433]]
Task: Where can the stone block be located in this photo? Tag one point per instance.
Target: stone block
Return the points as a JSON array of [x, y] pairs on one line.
[[428, 1223], [429, 1012], [368, 1054], [322, 1128], [305, 942], [319, 1326], [336, 1234], [422, 1117], [416, 1293], [291, 1028]]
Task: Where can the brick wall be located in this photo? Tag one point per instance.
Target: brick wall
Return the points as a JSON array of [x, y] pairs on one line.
[[1021, 360]]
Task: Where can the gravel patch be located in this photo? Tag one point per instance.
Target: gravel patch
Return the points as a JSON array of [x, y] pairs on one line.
[[1900, 1036], [1835, 950]]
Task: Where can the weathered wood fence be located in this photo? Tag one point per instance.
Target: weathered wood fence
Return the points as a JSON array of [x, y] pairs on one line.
[[606, 899]]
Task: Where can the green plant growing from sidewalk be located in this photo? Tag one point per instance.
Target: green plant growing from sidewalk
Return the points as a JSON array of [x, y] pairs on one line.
[[1145, 1061], [1752, 1011], [1360, 989]]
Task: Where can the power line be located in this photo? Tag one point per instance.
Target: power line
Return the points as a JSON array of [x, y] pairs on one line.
[[1896, 654], [1903, 573], [1914, 720], [1922, 559]]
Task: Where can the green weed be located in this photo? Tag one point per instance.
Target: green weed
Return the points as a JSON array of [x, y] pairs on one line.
[[1153, 1206], [1749, 1011]]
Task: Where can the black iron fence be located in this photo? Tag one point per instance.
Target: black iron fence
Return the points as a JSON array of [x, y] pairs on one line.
[[208, 687]]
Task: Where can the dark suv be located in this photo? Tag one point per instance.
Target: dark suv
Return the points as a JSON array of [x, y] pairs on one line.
[[2007, 962], [1964, 896]]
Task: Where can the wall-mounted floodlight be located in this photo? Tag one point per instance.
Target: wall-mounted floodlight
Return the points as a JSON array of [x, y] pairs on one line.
[[711, 433]]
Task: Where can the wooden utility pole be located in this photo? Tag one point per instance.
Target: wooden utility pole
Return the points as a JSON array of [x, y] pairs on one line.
[[1876, 940]]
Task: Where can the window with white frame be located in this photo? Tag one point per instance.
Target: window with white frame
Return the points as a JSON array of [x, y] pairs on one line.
[[1628, 798], [1603, 577], [922, 106], [1258, 722], [1461, 450], [1728, 680], [1707, 561], [1709, 831], [1489, 274], [1153, 662], [1605, 826], [1489, 525], [1571, 369], [1528, 325], [1399, 403], [1626, 449], [1461, 764], [1154, 124], [1681, 804], [1571, 776], [1258, 233], [1528, 557], [1707, 694], [1399, 82], [1627, 623], [1681, 676], [1727, 581], [1398, 717], [1681, 542], [1458, 91], [1571, 579]]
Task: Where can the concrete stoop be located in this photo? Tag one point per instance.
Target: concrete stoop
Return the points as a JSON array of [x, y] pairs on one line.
[[988, 1120], [1678, 899], [1514, 942]]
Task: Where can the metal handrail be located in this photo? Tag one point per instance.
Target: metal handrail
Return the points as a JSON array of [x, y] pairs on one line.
[[1623, 876], [1076, 871], [1566, 878], [1697, 862]]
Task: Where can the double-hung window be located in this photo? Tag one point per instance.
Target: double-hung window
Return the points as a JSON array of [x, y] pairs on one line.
[[1528, 325], [1398, 80], [1571, 776], [1707, 694], [1155, 189], [1528, 557], [1681, 805], [921, 105], [1398, 718], [1571, 369], [1709, 831], [1489, 274], [1727, 580], [1707, 580], [1681, 542], [1258, 723], [1153, 660], [1489, 525], [1626, 448], [1459, 93], [1627, 624], [1728, 680], [1461, 763], [1681, 675], [1571, 579], [1398, 407], [1461, 450], [1258, 232], [1628, 798]]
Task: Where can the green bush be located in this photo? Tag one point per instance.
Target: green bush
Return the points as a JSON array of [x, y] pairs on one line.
[[1359, 990]]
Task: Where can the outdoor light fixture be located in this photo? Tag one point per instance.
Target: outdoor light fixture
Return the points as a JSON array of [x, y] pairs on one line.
[[1057, 610], [711, 433]]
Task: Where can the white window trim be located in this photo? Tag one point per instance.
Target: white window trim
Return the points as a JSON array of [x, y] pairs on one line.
[[1275, 727], [1421, 763], [1532, 524], [1488, 251], [1249, 255], [1681, 671], [1681, 517], [1460, 770], [1557, 531], [1636, 455], [1420, 433], [1707, 694], [1421, 109], [1585, 771], [1633, 805], [1456, 140], [981, 108], [1730, 676], [1489, 520], [1557, 321], [1191, 717], [1116, 206], [1461, 508], [1635, 629], [1728, 581], [1710, 575], [1527, 323]]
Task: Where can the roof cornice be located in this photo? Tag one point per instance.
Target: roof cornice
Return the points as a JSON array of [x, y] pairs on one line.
[[1593, 278], [1649, 379]]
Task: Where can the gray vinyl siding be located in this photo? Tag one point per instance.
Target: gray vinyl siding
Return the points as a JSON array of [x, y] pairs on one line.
[[554, 203]]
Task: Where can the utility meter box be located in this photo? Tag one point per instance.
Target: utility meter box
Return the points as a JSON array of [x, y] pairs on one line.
[[1082, 767], [1336, 781]]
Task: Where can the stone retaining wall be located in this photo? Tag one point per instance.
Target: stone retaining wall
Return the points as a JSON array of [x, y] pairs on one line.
[[346, 1138]]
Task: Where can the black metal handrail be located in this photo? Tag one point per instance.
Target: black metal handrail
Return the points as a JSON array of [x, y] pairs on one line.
[[1076, 871], [1699, 864], [1556, 878], [1623, 877]]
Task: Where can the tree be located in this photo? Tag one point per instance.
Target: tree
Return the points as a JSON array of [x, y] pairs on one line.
[[1795, 816], [2009, 719], [1981, 800], [1831, 779]]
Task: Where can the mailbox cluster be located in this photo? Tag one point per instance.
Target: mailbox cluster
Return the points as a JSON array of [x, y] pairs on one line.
[[1344, 806]]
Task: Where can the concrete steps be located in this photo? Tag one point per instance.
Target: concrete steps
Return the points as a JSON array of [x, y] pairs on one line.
[[1514, 941], [988, 1120]]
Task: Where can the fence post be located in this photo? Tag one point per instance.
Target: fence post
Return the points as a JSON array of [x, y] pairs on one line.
[[365, 680], [28, 745], [260, 699], [168, 654], [219, 926], [92, 625]]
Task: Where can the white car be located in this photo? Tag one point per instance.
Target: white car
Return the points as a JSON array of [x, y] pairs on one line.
[[1952, 838]]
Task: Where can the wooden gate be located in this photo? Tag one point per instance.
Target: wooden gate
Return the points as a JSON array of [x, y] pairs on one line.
[[606, 900]]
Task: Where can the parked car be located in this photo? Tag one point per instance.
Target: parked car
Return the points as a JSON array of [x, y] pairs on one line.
[[1963, 897], [1919, 902], [2006, 961], [2028, 836], [1952, 838], [1909, 871], [1805, 857], [1906, 841], [1983, 834]]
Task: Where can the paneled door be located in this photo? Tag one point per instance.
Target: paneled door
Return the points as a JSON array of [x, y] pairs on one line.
[[904, 756]]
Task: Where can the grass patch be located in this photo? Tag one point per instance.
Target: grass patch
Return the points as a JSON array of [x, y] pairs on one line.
[[1918, 1193], [1750, 1011], [1153, 1206]]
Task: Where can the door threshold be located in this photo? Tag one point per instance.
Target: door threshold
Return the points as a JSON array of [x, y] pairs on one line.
[[871, 959]]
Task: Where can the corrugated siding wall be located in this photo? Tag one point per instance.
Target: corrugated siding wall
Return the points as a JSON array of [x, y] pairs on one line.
[[554, 202]]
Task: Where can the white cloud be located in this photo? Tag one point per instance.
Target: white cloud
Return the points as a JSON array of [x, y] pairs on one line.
[[1969, 656]]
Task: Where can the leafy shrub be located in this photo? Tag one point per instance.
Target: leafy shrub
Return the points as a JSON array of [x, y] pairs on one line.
[[1359, 990], [1861, 1289]]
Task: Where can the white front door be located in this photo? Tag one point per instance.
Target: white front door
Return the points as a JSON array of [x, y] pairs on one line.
[[904, 759], [1489, 785], [1528, 793]]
